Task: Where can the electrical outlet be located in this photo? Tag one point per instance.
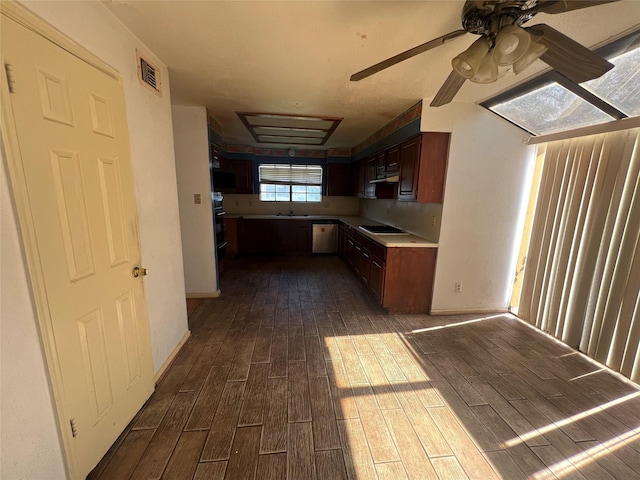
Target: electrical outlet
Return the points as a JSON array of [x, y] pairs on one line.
[[237, 203], [197, 198], [457, 287], [433, 220]]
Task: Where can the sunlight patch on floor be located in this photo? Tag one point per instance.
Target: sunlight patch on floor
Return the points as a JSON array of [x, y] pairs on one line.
[[456, 324], [569, 420]]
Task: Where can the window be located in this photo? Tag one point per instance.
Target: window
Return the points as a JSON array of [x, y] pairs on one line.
[[290, 183], [551, 103]]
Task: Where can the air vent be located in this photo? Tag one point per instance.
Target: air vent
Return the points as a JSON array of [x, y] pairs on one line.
[[149, 75]]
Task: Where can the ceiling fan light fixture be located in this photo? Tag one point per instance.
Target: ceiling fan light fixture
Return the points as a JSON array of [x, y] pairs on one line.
[[468, 62], [535, 51], [487, 71], [512, 43]]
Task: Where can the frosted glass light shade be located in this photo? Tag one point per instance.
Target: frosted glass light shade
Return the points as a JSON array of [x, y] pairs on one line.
[[512, 42], [487, 72], [536, 50], [468, 62]]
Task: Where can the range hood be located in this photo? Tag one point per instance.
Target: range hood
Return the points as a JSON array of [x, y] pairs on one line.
[[393, 179]]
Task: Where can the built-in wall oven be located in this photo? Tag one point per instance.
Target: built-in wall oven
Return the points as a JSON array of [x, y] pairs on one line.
[[218, 229]]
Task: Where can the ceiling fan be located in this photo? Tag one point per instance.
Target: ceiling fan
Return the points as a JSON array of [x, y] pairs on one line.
[[504, 44]]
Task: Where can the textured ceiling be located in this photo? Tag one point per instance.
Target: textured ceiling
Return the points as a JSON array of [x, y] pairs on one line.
[[296, 57]]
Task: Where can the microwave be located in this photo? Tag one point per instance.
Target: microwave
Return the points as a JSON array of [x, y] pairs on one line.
[[223, 181]]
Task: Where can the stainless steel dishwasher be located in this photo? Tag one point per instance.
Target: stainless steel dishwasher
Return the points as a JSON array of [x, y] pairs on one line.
[[325, 237]]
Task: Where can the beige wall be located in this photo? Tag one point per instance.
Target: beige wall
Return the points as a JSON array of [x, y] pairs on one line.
[[191, 141], [421, 219], [30, 443], [251, 205], [487, 185]]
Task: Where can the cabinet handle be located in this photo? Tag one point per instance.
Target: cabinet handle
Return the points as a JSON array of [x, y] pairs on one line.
[[365, 254]]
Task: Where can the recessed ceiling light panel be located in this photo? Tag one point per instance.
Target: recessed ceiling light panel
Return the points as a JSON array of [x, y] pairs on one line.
[[289, 129]]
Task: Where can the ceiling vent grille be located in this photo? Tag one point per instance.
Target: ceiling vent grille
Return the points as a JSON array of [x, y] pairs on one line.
[[149, 75]]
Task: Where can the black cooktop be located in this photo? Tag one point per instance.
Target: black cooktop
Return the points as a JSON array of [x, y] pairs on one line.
[[380, 229]]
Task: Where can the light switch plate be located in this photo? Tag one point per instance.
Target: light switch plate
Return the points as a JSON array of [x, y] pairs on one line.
[[197, 198]]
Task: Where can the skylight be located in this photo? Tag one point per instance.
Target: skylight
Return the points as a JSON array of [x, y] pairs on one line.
[[621, 86], [551, 103]]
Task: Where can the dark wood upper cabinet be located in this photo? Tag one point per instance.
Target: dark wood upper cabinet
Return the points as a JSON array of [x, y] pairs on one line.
[[339, 179], [423, 165], [242, 171], [433, 166], [409, 158]]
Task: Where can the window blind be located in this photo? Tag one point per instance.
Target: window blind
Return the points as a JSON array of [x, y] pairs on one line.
[[582, 274], [290, 174]]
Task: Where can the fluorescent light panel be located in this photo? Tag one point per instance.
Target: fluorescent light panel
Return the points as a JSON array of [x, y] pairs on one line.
[[289, 129]]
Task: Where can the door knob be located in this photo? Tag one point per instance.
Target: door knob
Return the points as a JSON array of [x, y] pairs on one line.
[[139, 271]]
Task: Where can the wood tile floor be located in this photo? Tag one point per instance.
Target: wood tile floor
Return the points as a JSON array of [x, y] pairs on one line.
[[295, 373]]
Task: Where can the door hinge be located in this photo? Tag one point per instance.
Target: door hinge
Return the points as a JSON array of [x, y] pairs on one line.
[[10, 82], [74, 430]]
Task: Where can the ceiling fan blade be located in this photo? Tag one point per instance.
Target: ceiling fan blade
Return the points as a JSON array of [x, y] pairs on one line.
[[405, 55], [448, 90], [561, 6], [568, 57]]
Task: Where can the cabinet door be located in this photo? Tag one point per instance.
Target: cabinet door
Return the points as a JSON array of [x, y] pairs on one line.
[[351, 252], [376, 277], [231, 235], [370, 174], [381, 165], [392, 165], [362, 174], [302, 236], [409, 169], [339, 179], [244, 175], [433, 166]]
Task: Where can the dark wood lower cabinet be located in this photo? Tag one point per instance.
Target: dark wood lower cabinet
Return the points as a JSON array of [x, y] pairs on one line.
[[274, 236], [408, 282], [400, 278]]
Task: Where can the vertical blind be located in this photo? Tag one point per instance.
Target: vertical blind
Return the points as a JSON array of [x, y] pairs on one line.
[[581, 280]]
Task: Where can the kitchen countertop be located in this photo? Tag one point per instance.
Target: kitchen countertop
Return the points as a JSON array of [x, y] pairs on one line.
[[389, 241]]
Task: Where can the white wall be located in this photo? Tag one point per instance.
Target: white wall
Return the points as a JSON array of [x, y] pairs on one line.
[[29, 439], [191, 141], [487, 183]]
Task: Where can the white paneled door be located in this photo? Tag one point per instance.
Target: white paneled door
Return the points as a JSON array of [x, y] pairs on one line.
[[74, 189]]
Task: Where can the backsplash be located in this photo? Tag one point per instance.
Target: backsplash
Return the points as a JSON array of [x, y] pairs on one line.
[[421, 219], [251, 205]]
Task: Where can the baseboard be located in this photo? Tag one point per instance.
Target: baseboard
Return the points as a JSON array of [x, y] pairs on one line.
[[167, 363], [465, 311], [215, 294]]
